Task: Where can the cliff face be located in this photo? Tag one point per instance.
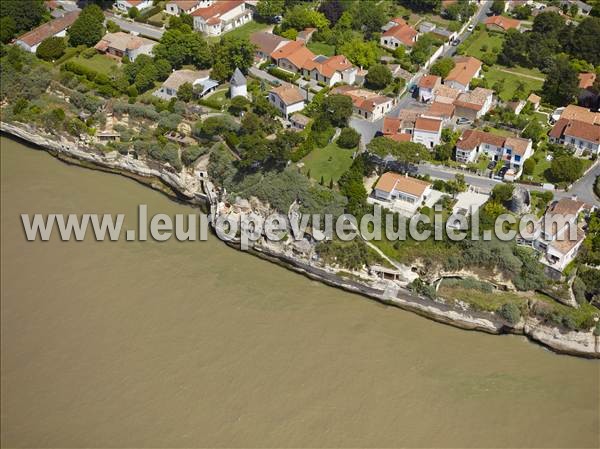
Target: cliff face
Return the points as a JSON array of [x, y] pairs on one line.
[[190, 187]]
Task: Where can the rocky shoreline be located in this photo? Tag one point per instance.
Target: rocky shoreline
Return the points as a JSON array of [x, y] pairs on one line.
[[191, 189]]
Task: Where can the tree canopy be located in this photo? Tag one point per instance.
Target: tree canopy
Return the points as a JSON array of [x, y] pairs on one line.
[[181, 48], [88, 29], [378, 77]]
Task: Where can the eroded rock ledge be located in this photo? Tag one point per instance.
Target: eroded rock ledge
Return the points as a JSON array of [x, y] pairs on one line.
[[187, 187]]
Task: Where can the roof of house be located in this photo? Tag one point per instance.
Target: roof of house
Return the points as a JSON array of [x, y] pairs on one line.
[[472, 138], [438, 109], [391, 125], [266, 42], [122, 41], [517, 145], [337, 63], [362, 98], [399, 137], [305, 34], [184, 5], [403, 32], [473, 99], [464, 70], [49, 29], [390, 181], [576, 128], [429, 81], [565, 245], [429, 124], [179, 77], [238, 78], [534, 99], [586, 80], [573, 112], [565, 207], [506, 23], [288, 93], [295, 52], [399, 72], [217, 9], [445, 94]]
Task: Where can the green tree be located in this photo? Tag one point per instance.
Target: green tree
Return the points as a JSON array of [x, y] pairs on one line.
[[337, 109], [566, 168], [180, 48], [498, 7], [238, 105], [529, 166], [378, 77], [88, 29], [510, 312], [522, 12], [185, 92], [349, 138], [585, 42], [423, 5], [368, 16], [562, 83], [268, 9], [442, 67], [362, 54], [51, 48], [133, 12], [229, 53], [503, 193], [301, 16], [19, 16]]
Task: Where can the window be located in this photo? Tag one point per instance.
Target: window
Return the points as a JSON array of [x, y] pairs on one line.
[[517, 158]]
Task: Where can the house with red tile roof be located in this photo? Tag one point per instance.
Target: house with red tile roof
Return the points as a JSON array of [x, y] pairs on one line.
[[369, 105], [511, 151], [399, 35], [293, 56], [582, 136], [177, 7], [427, 84], [336, 69], [266, 43], [474, 104], [215, 17], [501, 23], [287, 98], [121, 44], [465, 69], [55, 28], [126, 5], [396, 187]]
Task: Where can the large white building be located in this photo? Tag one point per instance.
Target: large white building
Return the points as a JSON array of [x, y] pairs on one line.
[[395, 187], [216, 17], [583, 137], [126, 5], [427, 131], [287, 98]]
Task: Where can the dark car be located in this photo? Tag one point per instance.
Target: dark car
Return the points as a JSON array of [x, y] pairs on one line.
[[492, 165], [455, 42], [502, 172]]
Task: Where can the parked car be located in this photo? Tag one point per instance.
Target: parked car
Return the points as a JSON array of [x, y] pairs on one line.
[[455, 42], [502, 172], [463, 121], [492, 165], [471, 27]]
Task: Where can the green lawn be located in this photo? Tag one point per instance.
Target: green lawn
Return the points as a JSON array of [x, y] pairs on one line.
[[475, 43], [321, 48], [511, 83], [541, 165], [329, 162], [247, 29], [501, 132], [99, 63], [218, 99]]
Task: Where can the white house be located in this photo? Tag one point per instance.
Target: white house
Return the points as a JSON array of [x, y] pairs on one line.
[[511, 151], [400, 34], [427, 86], [474, 104], [220, 16], [395, 187], [121, 44], [238, 85], [287, 98], [336, 69], [177, 7], [466, 68], [126, 5], [266, 43], [367, 104], [427, 131], [55, 28], [584, 137], [200, 80]]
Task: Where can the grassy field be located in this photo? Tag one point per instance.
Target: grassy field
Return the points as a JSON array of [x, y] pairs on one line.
[[511, 82], [329, 162], [501, 132], [321, 48], [247, 29], [475, 43], [99, 63]]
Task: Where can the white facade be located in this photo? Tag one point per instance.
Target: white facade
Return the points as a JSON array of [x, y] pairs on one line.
[[223, 22], [285, 109], [347, 76], [33, 48], [398, 195], [238, 91], [582, 144], [428, 138], [174, 9], [125, 5]]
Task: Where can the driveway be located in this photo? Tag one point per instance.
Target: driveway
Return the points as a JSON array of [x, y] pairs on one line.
[[140, 28]]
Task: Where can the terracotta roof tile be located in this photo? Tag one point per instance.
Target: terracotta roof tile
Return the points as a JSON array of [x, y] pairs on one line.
[[49, 29], [428, 124], [586, 80], [464, 70], [288, 93], [429, 81], [393, 181], [506, 23]]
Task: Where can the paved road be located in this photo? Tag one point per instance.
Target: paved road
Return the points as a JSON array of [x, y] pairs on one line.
[[584, 188], [141, 28], [479, 16]]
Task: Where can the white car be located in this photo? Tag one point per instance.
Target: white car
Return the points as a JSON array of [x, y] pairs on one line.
[[471, 27]]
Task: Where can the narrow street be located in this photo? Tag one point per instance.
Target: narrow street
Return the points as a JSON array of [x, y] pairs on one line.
[[140, 28]]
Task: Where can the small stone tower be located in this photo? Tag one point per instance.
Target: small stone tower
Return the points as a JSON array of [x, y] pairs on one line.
[[238, 85]]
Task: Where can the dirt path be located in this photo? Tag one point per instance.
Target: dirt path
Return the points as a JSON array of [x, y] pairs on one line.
[[523, 75]]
